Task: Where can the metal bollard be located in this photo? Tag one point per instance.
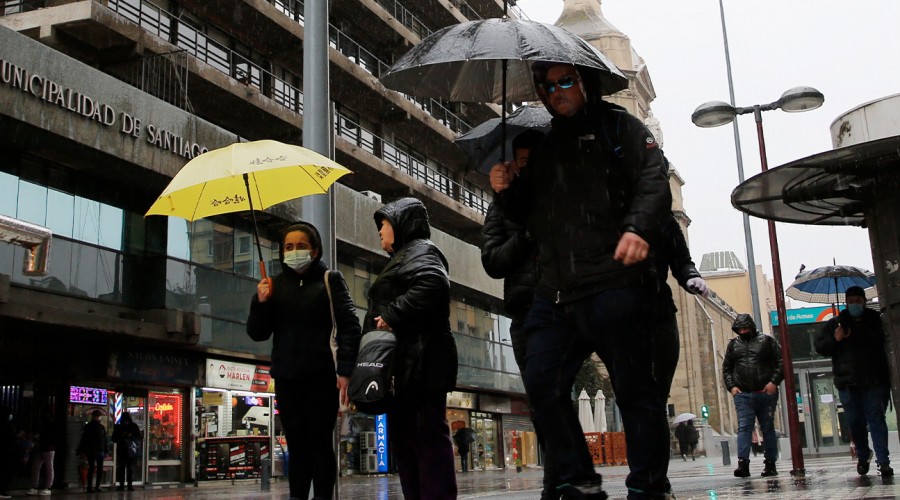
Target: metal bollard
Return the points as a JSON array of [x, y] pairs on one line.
[[726, 454], [265, 483]]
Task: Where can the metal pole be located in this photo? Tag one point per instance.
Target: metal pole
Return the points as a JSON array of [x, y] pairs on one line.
[[318, 136], [317, 129], [748, 239], [788, 365]]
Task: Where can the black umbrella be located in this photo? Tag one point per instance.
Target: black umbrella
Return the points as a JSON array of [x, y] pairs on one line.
[[482, 143], [490, 61], [465, 62]]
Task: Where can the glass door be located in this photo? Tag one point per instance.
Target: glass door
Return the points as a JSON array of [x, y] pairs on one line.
[[829, 430], [485, 446], [164, 437]]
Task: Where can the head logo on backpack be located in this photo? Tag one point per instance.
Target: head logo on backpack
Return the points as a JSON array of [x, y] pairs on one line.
[[372, 383]]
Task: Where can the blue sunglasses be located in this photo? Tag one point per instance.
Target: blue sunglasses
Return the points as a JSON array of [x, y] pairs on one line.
[[565, 82]]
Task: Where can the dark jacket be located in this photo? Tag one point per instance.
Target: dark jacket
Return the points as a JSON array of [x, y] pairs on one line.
[[751, 361], [412, 295], [860, 359], [509, 253], [48, 436], [687, 433], [93, 439], [671, 252], [125, 431], [595, 176], [298, 317]]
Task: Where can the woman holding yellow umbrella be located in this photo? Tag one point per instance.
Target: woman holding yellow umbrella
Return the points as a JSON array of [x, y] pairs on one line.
[[308, 381]]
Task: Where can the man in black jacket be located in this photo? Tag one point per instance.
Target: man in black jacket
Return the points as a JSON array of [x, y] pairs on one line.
[[752, 370], [855, 342], [592, 205]]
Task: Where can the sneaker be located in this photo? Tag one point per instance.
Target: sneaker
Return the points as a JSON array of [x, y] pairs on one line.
[[45, 493], [769, 469], [884, 470], [862, 467], [5, 495], [32, 491], [743, 468]]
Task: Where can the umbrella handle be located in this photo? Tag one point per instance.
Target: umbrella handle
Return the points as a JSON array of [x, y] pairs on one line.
[[262, 272]]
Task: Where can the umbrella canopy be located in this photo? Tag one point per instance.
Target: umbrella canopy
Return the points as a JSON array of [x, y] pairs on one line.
[[246, 176], [482, 143], [214, 182], [600, 412], [826, 285], [585, 416], [684, 417], [465, 62]]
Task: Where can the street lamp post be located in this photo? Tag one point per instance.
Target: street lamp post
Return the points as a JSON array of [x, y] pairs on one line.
[[713, 114]]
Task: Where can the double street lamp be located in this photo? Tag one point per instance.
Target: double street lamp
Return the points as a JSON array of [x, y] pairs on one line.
[[714, 114]]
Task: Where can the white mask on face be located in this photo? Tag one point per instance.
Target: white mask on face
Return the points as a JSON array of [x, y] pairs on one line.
[[298, 260]]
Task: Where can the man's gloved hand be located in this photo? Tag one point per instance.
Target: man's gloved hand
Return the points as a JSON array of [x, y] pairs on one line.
[[697, 286]]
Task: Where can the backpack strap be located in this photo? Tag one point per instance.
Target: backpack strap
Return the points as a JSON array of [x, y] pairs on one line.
[[333, 338]]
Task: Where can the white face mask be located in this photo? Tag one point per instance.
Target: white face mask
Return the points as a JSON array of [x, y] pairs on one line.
[[298, 260]]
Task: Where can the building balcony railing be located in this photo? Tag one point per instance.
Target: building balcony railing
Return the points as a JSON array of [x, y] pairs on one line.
[[283, 92]]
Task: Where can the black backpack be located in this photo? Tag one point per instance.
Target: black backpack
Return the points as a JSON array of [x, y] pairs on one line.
[[372, 382]]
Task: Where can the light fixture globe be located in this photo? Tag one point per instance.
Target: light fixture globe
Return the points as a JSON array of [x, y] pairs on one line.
[[713, 114], [800, 99]]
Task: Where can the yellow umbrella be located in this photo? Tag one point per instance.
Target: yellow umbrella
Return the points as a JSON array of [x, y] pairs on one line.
[[244, 176]]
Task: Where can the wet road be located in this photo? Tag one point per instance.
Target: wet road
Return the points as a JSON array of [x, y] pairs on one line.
[[826, 478]]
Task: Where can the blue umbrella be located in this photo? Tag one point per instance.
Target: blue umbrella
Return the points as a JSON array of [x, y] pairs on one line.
[[826, 285]]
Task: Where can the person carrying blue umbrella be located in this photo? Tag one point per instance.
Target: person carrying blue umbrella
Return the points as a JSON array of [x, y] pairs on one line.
[[854, 340]]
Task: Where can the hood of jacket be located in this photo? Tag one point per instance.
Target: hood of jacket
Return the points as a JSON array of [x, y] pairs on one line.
[[300, 226], [408, 217], [743, 321]]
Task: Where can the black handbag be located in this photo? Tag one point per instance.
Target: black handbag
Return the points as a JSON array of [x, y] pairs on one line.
[[372, 383]]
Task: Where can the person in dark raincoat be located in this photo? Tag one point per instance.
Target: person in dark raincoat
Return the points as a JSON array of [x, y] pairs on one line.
[[854, 340], [594, 195], [411, 297], [671, 252], [687, 437], [752, 370], [93, 447], [463, 438], [124, 433], [310, 379]]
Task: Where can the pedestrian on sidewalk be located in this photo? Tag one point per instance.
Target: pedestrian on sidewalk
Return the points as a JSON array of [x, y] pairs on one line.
[[128, 439], [411, 297], [7, 450], [753, 371], [463, 438], [855, 342], [593, 197], [93, 447], [43, 457], [295, 310], [688, 437]]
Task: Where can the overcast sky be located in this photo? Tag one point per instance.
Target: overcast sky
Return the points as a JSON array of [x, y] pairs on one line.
[[846, 49]]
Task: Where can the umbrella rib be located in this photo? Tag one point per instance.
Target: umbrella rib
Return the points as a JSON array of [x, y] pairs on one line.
[[197, 204]]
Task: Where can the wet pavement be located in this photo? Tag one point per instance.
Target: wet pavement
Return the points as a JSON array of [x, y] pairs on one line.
[[707, 478]]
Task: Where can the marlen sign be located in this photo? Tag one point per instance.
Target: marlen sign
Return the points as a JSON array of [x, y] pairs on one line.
[[81, 104]]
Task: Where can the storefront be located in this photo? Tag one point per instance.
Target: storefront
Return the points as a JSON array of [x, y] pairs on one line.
[[235, 422]]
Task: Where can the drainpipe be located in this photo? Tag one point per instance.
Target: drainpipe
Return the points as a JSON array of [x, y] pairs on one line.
[[35, 239], [712, 334]]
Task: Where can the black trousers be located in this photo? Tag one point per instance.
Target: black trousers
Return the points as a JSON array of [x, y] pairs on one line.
[[95, 464], [308, 409], [124, 465]]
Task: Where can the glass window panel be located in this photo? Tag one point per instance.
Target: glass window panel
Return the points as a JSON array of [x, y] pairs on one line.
[[180, 286], [59, 273], [87, 220], [109, 277], [6, 258], [60, 212], [201, 241], [178, 238], [110, 220], [84, 270], [9, 190], [32, 203]]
